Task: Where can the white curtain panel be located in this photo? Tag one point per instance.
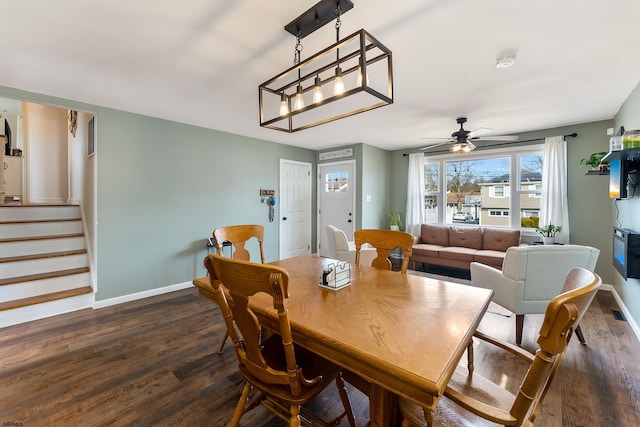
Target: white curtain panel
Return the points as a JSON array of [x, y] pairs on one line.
[[415, 215], [554, 205]]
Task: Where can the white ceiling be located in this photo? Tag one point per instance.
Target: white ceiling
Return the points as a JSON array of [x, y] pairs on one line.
[[201, 61]]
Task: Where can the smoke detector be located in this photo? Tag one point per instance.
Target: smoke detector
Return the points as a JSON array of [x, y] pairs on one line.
[[505, 61]]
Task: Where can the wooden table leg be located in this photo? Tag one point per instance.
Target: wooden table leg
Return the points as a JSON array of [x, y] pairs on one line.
[[383, 408]]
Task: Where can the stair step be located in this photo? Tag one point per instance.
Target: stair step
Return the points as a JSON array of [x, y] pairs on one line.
[[37, 264], [25, 212], [37, 245], [43, 276], [42, 256], [35, 238], [45, 298], [34, 221], [28, 229]]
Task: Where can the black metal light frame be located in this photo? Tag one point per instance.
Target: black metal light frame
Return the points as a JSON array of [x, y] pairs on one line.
[[355, 53]]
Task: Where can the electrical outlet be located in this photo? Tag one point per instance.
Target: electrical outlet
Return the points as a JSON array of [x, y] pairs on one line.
[[267, 193]]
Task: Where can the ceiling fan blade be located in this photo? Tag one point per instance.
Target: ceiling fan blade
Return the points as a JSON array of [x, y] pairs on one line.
[[478, 132], [496, 138], [434, 145], [439, 139]]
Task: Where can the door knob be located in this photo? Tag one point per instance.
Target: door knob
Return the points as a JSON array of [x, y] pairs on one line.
[[284, 218]]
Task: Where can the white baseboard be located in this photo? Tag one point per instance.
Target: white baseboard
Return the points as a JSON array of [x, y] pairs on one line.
[[625, 311], [140, 295]]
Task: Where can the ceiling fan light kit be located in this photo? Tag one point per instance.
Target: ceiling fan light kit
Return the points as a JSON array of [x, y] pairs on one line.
[[328, 85], [462, 147], [461, 139]]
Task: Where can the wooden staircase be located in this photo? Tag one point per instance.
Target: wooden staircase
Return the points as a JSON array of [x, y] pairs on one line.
[[44, 267]]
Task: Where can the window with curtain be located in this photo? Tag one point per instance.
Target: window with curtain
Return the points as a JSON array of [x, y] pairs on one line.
[[478, 188]]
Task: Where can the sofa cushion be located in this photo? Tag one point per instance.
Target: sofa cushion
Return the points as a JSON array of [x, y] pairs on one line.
[[434, 234], [458, 253], [466, 237], [489, 257], [425, 249], [495, 239]]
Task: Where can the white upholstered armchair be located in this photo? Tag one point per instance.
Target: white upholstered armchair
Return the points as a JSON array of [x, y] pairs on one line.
[[340, 248], [531, 277]]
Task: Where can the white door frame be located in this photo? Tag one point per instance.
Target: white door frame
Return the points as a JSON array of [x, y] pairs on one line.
[[319, 193], [281, 201]]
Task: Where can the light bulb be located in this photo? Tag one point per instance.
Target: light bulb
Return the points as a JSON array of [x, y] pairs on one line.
[[338, 85], [359, 80], [299, 101], [317, 91], [284, 107]]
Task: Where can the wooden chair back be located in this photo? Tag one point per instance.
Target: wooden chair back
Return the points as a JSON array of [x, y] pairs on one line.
[[560, 321], [484, 398], [243, 279], [384, 241], [238, 235]]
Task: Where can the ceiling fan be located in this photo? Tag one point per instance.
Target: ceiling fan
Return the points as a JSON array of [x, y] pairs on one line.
[[462, 138]]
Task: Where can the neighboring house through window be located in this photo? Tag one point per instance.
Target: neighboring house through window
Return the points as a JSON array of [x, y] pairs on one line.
[[481, 185]]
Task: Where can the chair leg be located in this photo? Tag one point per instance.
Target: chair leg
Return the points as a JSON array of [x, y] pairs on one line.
[[345, 400], [470, 357], [237, 414], [519, 325], [578, 332], [224, 341], [295, 416]]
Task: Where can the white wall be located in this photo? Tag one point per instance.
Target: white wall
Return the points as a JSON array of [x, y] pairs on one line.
[[88, 202], [46, 145]]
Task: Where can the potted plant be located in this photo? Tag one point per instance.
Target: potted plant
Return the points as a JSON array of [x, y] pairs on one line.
[[595, 161], [395, 221], [548, 233]]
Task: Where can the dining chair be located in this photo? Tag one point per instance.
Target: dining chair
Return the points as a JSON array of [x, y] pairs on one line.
[[384, 241], [280, 375], [237, 236], [482, 400], [531, 277]]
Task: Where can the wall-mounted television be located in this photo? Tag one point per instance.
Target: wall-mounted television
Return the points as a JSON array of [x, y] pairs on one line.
[[617, 179]]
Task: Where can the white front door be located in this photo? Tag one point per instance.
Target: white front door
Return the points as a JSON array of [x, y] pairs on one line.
[[295, 208], [336, 200]]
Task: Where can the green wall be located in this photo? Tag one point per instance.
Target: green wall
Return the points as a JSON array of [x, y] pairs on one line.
[[163, 187], [375, 187], [629, 210], [589, 205]]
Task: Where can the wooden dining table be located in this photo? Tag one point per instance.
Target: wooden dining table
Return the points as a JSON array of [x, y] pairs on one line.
[[401, 334]]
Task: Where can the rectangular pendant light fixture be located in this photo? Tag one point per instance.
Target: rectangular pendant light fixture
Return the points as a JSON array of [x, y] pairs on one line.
[[351, 76]]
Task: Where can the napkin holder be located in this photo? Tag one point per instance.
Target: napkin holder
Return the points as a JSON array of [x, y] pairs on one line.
[[336, 276]]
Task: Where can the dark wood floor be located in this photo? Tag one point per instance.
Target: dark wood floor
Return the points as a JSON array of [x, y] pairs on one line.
[[154, 362]]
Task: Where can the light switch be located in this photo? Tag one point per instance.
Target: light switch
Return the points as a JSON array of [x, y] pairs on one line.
[[368, 197]]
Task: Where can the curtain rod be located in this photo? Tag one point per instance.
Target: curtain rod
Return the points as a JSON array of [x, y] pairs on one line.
[[571, 135]]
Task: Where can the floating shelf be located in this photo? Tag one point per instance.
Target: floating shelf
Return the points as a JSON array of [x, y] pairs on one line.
[[630, 154], [597, 172]]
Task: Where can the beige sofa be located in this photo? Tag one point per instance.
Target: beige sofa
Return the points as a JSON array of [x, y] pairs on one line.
[[458, 247]]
